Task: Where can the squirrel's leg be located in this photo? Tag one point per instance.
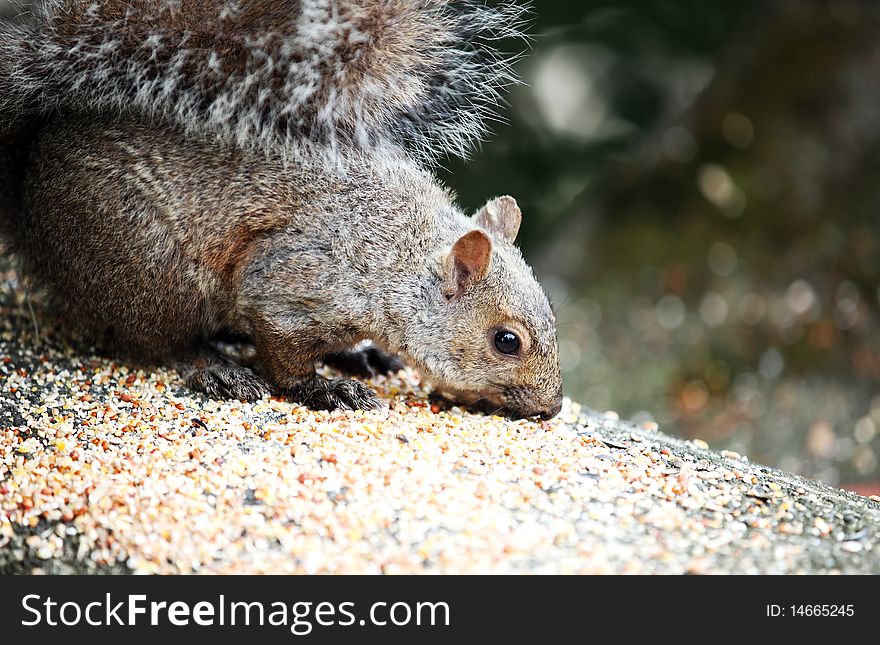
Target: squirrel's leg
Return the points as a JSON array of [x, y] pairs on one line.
[[288, 359], [366, 362], [219, 377]]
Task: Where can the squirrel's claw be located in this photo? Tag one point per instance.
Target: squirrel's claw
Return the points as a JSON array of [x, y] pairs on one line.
[[319, 393], [229, 382]]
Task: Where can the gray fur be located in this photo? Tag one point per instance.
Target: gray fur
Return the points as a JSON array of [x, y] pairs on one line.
[[270, 74], [155, 232], [154, 242]]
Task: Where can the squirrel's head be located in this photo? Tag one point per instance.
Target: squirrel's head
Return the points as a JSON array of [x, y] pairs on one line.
[[491, 329]]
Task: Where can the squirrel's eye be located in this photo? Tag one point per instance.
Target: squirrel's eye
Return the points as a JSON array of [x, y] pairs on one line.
[[506, 342]]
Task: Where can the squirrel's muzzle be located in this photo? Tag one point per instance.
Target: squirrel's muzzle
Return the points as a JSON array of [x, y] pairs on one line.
[[525, 402], [551, 412]]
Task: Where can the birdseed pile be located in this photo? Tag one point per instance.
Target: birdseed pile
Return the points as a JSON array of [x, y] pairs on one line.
[[105, 467]]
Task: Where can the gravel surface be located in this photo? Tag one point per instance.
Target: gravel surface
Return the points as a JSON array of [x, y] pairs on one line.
[[107, 468]]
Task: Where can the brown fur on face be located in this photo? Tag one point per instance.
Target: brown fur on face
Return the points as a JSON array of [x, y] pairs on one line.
[[527, 384], [499, 293]]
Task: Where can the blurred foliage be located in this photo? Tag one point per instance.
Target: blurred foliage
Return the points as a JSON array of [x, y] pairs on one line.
[[698, 183]]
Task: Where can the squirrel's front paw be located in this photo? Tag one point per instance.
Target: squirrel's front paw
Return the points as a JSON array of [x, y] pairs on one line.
[[319, 393], [367, 362], [229, 382]]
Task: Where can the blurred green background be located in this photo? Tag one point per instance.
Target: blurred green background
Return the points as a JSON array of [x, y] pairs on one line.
[[700, 184]]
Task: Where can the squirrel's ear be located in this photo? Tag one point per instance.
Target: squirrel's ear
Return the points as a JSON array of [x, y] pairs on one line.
[[500, 216], [467, 262]]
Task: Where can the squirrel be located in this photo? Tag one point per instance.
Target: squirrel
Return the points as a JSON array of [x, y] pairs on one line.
[[174, 171]]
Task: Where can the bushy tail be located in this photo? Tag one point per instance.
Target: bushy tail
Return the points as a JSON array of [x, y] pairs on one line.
[[425, 74]]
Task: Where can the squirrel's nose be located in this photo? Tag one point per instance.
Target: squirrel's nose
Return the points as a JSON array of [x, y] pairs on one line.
[[548, 414]]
